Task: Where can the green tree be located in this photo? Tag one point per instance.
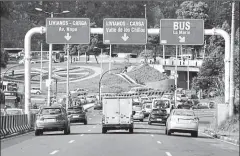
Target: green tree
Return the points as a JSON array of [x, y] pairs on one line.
[[193, 10]]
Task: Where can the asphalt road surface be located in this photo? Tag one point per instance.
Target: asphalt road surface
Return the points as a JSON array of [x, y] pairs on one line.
[[87, 140]]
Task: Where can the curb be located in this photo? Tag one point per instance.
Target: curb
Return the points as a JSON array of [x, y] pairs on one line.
[[3, 138], [218, 136]]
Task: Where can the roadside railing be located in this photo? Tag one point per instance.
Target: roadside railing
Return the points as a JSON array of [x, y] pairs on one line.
[[11, 124]]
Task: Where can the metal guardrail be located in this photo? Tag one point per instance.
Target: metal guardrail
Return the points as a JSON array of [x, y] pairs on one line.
[[171, 62], [11, 124]]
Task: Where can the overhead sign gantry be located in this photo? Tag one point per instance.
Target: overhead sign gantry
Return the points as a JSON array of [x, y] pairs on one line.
[[124, 31], [68, 30], [182, 32]]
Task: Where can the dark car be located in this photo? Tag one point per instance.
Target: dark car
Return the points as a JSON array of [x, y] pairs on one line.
[[98, 107], [77, 114], [52, 118], [158, 116]]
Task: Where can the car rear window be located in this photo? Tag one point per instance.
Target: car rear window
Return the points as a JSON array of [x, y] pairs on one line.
[[159, 112], [183, 113], [51, 111], [75, 109]]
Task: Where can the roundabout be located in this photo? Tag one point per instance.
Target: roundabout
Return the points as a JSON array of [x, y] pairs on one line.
[[59, 73]]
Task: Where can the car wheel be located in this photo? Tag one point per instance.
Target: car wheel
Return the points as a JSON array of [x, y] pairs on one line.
[[131, 130], [166, 131], [141, 120], [104, 130], [66, 130], [149, 123], [69, 130], [85, 122], [37, 133], [169, 132], [194, 134]]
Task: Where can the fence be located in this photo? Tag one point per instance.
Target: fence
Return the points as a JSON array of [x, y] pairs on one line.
[[11, 124]]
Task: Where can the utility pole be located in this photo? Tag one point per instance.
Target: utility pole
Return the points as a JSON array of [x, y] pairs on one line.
[[176, 75], [231, 96], [110, 59], [41, 68], [50, 71]]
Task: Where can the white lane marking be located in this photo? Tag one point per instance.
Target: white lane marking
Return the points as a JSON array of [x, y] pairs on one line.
[[152, 135], [159, 142], [71, 141], [90, 118], [94, 115], [89, 130], [168, 154], [54, 152], [81, 134], [146, 130], [94, 126]]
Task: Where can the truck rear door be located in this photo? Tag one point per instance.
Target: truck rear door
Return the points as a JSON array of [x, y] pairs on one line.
[[111, 111], [125, 111]]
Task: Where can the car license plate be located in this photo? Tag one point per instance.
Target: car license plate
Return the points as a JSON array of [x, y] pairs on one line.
[[50, 120], [159, 119], [75, 116]]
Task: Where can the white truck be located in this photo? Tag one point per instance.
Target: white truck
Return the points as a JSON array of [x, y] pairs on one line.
[[117, 114]]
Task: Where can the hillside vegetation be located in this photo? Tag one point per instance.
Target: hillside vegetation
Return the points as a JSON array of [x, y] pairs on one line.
[[146, 74]]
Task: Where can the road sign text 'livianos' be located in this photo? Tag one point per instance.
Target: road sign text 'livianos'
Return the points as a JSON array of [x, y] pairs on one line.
[[68, 30], [124, 31], [181, 32]]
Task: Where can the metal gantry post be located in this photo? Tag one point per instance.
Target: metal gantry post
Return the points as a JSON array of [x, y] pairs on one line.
[[27, 75]]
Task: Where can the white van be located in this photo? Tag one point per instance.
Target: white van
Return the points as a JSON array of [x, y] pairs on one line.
[[117, 114]]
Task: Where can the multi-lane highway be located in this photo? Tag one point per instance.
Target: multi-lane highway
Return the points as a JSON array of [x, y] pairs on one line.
[[87, 140]]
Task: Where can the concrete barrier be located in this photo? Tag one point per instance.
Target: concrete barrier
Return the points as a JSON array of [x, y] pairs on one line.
[[11, 124]]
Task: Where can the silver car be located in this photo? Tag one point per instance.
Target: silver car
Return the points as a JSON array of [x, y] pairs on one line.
[[52, 118], [183, 121]]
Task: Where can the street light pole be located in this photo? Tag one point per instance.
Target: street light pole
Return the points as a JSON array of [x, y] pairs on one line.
[[175, 93], [50, 54], [99, 84], [67, 99], [231, 73], [50, 71], [41, 68]]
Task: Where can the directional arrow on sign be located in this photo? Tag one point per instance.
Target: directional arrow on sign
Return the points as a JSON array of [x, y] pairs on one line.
[[181, 39], [67, 37], [125, 37]]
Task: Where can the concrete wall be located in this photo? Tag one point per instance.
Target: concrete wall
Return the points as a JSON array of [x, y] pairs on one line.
[[161, 85]]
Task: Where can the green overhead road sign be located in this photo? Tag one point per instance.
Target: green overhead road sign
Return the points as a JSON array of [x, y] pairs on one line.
[[181, 32], [68, 30], [124, 31]]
